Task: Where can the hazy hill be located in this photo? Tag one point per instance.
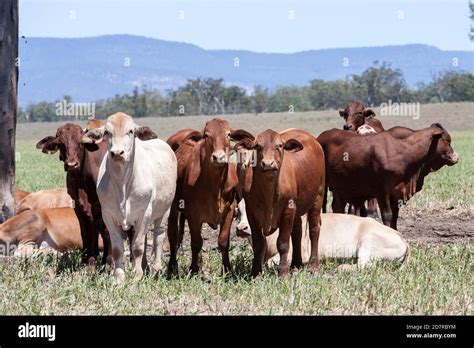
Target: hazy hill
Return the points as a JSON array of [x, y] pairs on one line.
[[92, 68]]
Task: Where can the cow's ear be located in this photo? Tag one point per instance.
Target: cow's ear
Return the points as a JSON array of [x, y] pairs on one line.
[[91, 147], [246, 143], [192, 138], [48, 145], [437, 133], [240, 134], [145, 133], [94, 136], [293, 145], [369, 113], [342, 113]]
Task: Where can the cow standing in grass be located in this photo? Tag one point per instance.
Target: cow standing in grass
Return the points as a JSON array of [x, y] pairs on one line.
[[81, 162], [286, 183], [135, 186], [205, 193], [390, 166]]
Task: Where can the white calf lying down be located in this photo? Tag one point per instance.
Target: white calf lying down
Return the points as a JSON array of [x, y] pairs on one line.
[[343, 237], [44, 199]]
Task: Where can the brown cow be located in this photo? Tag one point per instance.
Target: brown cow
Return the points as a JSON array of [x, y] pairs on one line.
[[205, 188], [43, 199], [56, 228], [390, 166], [81, 162], [20, 194], [287, 182], [355, 114]]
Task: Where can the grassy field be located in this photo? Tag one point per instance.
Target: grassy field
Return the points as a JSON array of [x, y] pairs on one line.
[[438, 279]]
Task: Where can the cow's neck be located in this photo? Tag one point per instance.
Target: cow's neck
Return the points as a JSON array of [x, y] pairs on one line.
[[121, 175], [215, 176], [419, 168], [265, 192]]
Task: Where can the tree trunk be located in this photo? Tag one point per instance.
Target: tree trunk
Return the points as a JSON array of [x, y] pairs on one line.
[[8, 104]]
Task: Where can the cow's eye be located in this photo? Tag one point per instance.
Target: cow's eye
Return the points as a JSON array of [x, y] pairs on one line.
[[106, 132], [228, 135], [130, 132], [206, 135]]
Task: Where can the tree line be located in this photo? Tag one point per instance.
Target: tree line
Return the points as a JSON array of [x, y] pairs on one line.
[[207, 96]]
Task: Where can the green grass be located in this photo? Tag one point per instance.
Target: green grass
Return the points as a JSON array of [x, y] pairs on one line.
[[437, 280]]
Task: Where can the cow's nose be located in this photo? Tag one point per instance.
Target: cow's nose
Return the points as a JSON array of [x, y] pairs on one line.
[[347, 127], [117, 154], [219, 157], [73, 165], [269, 165]]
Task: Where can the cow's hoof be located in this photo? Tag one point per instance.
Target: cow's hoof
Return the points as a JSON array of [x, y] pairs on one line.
[[119, 275]]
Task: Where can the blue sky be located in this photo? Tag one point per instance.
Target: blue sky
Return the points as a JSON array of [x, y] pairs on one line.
[[259, 25]]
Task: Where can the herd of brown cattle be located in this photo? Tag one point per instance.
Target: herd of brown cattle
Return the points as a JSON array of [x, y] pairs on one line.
[[282, 176]]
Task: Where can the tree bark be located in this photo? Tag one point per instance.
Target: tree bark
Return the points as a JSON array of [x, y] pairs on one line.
[[8, 104]]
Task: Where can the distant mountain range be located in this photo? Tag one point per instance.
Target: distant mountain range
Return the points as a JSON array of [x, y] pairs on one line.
[[99, 67]]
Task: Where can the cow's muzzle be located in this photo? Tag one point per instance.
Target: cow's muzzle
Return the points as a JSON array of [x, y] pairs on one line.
[[117, 155], [347, 126], [219, 157], [269, 165]]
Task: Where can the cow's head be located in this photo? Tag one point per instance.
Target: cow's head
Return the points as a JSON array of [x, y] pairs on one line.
[[68, 141], [122, 131], [216, 137], [441, 146], [270, 149], [354, 114]]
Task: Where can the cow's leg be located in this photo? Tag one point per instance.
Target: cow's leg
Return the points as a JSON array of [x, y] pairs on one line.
[[223, 240], [158, 237], [385, 209], [338, 203], [116, 240], [173, 239], [259, 246], [296, 236], [138, 246], [84, 235], [196, 244], [107, 254], [314, 220], [394, 204], [372, 208], [283, 241]]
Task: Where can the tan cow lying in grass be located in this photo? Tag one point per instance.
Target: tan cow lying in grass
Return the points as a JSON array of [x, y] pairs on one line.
[[343, 237], [41, 230], [44, 199]]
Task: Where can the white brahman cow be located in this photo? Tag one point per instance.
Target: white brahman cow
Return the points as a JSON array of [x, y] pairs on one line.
[[136, 185], [342, 236]]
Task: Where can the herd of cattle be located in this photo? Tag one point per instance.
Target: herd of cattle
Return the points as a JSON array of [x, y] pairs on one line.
[[121, 178]]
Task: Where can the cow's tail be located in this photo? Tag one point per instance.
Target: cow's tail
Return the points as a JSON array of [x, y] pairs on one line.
[[325, 199], [181, 228]]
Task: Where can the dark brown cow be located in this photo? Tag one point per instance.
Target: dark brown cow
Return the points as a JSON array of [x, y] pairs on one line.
[[355, 114], [390, 166], [205, 190], [81, 162], [286, 183]]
